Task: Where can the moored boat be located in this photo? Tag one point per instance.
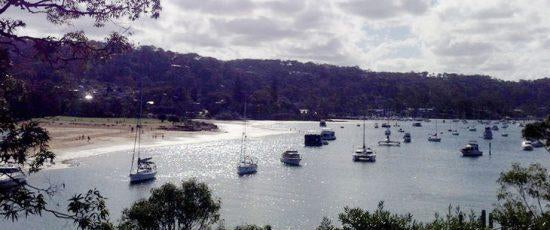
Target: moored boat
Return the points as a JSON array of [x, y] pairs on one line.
[[291, 157], [471, 150]]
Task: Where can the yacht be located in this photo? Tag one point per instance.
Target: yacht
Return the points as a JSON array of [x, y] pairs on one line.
[[504, 134], [291, 157], [247, 165], [385, 125], [505, 126], [364, 153], [536, 143], [471, 150], [495, 128], [488, 134], [328, 134], [375, 125], [434, 138], [400, 130], [387, 141], [472, 129], [323, 123], [407, 138], [455, 132], [417, 124], [146, 169], [11, 176], [526, 145]]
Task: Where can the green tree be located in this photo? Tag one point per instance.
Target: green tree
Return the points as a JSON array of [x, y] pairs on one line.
[[189, 206], [538, 131], [23, 141], [524, 198]]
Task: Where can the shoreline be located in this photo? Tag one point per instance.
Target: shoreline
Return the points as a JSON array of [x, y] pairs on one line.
[[70, 142]]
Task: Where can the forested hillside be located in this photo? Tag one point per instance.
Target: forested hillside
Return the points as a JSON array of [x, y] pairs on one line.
[[188, 85]]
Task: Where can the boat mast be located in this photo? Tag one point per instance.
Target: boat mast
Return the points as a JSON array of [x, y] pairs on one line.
[[364, 145], [137, 138], [243, 149]]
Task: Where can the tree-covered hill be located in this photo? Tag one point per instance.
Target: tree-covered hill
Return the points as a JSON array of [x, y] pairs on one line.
[[189, 85]]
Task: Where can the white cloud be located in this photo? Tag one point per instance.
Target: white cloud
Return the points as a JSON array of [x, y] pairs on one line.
[[506, 39]]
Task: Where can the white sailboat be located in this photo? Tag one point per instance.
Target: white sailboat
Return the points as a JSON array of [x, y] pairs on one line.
[[247, 164], [364, 153], [434, 137], [145, 169]]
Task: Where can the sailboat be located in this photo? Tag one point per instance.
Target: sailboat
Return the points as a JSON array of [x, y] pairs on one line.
[[364, 153], [434, 137], [247, 164], [145, 169]]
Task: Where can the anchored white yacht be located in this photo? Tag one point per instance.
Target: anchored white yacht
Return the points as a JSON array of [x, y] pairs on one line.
[[364, 153]]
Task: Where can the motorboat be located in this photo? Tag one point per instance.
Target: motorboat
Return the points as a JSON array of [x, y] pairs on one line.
[[495, 128], [472, 129], [417, 124], [328, 134], [504, 126], [400, 130], [488, 134], [526, 145], [11, 176], [247, 165], [455, 132], [407, 138], [146, 170], [364, 154], [385, 125], [471, 150], [375, 125], [536, 143], [291, 157], [504, 134], [323, 123]]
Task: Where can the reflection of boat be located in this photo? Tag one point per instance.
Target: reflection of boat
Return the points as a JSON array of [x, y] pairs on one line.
[[526, 145], [471, 150], [291, 157], [407, 138], [488, 134], [11, 176], [328, 134], [364, 153]]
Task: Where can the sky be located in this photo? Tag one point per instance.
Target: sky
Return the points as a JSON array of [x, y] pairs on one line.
[[507, 39]]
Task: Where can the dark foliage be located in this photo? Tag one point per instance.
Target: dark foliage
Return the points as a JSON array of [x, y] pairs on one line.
[[187, 84], [538, 131]]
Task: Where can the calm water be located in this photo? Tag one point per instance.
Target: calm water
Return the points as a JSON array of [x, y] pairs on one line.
[[419, 177]]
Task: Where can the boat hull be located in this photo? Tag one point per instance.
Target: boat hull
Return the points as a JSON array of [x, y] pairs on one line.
[[249, 169], [291, 161], [142, 176], [9, 182], [364, 158]]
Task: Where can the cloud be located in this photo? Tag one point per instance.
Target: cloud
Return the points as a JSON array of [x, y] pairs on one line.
[[506, 39]]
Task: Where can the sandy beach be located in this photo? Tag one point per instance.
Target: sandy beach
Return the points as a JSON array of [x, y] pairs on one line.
[[69, 135]]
